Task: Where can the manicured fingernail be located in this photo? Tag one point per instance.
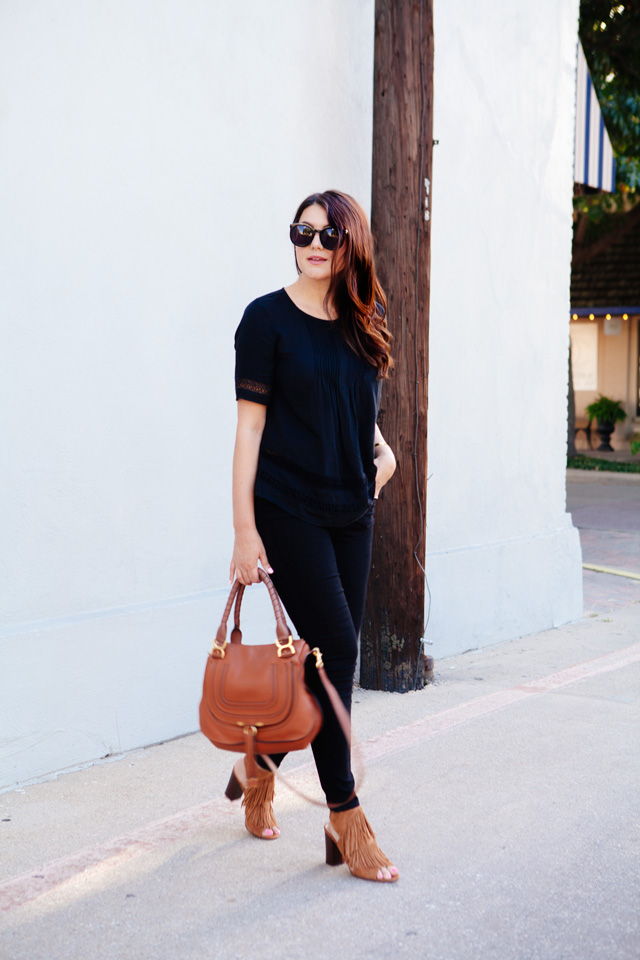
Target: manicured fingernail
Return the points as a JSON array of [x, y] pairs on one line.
[[269, 569]]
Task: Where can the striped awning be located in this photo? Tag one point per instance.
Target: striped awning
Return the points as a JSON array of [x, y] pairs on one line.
[[595, 164]]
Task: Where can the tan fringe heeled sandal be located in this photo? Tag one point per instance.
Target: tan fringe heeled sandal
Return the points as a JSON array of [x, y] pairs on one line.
[[257, 802], [349, 839]]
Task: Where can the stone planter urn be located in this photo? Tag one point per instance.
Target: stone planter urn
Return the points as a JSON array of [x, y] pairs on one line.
[[606, 413], [605, 429]]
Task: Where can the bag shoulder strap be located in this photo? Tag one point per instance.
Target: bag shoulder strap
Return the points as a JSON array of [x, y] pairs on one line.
[[344, 720]]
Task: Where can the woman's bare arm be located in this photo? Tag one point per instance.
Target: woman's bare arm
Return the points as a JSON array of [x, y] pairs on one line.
[[248, 548]]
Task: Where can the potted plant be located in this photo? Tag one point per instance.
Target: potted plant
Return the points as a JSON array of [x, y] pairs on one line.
[[607, 412]]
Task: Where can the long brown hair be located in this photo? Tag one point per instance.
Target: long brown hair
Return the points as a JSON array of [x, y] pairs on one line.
[[355, 292]]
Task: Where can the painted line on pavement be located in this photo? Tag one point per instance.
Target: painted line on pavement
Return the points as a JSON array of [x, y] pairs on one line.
[[411, 733], [616, 572], [21, 889]]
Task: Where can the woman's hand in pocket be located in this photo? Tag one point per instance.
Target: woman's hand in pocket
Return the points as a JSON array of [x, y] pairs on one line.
[[385, 463]]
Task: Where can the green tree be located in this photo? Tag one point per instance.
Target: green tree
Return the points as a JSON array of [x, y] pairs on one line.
[[610, 35]]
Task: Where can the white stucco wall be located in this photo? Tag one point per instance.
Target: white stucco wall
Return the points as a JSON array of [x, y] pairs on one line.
[[152, 155], [502, 556]]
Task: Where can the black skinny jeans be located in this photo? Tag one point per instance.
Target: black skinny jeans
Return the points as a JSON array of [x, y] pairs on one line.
[[321, 576]]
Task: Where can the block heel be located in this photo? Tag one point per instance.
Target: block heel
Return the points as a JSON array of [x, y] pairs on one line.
[[234, 788], [333, 856]]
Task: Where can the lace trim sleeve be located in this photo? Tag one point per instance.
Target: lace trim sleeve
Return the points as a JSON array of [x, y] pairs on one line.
[[252, 386]]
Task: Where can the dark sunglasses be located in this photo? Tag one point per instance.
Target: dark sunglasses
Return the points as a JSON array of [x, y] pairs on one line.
[[302, 235]]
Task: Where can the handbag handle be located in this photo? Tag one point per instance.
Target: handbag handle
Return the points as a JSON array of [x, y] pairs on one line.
[[283, 633]]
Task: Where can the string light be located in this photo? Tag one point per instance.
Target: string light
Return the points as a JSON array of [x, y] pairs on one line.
[[591, 316], [575, 316], [625, 316], [608, 317]]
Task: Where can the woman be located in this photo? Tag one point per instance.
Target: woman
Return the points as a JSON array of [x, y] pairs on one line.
[[308, 465]]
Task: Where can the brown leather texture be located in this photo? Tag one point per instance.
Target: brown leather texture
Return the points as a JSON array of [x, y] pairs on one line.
[[254, 698]]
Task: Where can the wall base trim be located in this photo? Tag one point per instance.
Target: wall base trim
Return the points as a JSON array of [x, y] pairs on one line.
[[485, 595]]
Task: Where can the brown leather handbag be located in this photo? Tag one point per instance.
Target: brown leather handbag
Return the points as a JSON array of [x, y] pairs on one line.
[[254, 698]]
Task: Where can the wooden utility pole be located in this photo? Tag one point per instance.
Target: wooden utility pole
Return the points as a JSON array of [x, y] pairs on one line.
[[400, 220]]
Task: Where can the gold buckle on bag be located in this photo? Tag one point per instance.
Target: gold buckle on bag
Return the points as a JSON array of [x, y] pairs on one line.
[[220, 648], [287, 645], [318, 655]]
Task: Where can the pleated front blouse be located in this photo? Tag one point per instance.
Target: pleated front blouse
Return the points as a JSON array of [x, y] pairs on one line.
[[316, 454]]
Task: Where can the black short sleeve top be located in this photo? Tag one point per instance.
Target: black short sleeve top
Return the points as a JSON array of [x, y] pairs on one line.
[[316, 455]]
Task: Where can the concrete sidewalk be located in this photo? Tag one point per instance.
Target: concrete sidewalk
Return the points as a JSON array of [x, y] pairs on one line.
[[506, 793]]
